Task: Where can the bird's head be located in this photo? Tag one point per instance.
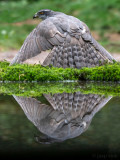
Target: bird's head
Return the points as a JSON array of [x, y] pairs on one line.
[[43, 14]]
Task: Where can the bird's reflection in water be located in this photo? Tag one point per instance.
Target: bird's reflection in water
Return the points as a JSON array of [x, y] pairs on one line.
[[64, 116]]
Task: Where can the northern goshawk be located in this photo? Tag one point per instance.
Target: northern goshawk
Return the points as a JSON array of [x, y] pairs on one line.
[[69, 40]]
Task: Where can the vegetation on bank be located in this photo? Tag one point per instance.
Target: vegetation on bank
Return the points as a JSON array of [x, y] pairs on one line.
[[37, 89], [35, 80], [38, 73]]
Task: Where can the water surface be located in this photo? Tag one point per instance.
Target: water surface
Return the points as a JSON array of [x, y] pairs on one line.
[[71, 124]]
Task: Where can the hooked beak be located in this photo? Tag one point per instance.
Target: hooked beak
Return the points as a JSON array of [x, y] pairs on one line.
[[35, 16]]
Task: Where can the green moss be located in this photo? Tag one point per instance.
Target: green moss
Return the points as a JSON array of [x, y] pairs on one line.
[[108, 72], [37, 89], [30, 73]]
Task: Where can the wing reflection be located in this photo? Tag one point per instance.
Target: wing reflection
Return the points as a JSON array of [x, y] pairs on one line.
[[64, 116]]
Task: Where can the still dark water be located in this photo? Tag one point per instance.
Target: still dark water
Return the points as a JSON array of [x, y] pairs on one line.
[[67, 124]]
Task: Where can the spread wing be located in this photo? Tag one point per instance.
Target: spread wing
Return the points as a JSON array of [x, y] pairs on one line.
[[88, 37], [44, 37]]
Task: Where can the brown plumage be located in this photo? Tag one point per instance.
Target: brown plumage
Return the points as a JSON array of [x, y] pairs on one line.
[[69, 40]]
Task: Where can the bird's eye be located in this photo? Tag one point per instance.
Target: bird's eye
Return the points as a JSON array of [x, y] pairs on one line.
[[41, 12]]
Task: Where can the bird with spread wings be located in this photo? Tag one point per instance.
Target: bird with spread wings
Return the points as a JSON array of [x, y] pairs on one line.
[[68, 39]]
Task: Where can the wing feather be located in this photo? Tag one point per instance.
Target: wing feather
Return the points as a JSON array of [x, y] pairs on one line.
[[87, 37], [42, 38]]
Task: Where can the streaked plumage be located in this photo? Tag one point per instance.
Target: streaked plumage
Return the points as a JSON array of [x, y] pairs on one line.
[[69, 40], [62, 116]]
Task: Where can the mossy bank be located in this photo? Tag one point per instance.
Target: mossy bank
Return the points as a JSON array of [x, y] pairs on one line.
[[37, 73], [38, 89]]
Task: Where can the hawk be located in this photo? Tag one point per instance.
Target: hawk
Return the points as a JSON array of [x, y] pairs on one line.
[[68, 39]]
